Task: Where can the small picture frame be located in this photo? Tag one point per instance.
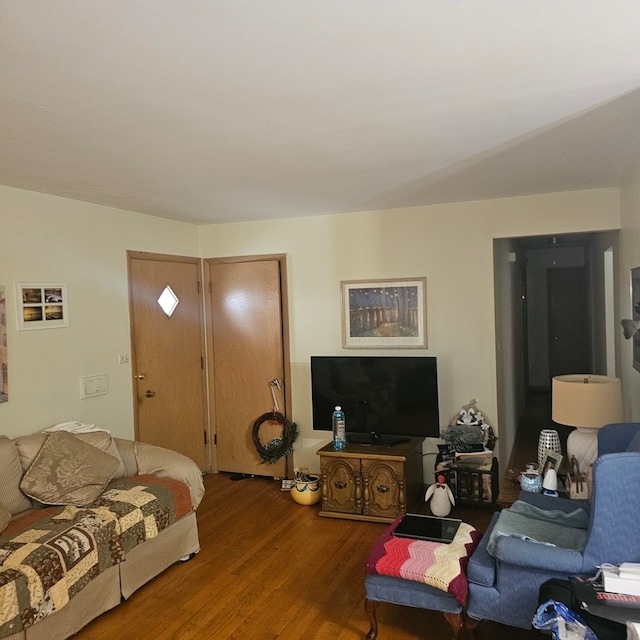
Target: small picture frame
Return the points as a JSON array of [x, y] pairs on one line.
[[41, 305], [553, 460], [384, 313]]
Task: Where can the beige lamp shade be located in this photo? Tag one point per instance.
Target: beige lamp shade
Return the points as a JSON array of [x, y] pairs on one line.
[[586, 401]]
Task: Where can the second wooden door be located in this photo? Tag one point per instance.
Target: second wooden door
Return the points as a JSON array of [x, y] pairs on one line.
[[248, 351]]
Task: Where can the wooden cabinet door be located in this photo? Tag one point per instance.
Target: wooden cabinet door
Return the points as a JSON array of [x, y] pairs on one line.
[[341, 485], [383, 488]]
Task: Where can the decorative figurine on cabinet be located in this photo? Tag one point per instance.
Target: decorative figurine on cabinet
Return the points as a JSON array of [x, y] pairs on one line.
[[441, 497]]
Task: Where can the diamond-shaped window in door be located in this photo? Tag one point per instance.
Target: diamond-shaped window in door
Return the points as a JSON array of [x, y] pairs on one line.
[[168, 300]]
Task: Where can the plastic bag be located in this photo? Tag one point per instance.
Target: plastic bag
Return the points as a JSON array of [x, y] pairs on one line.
[[563, 623]]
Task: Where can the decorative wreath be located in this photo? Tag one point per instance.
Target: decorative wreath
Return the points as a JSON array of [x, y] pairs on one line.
[[277, 447]]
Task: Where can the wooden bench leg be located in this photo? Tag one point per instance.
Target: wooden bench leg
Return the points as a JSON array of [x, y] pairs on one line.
[[456, 622], [370, 607], [471, 624]]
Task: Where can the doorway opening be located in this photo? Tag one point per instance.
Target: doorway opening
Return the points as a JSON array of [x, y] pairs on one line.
[[554, 313]]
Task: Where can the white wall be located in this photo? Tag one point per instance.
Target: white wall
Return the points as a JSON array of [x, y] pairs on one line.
[[452, 245], [509, 344], [49, 239], [629, 259]]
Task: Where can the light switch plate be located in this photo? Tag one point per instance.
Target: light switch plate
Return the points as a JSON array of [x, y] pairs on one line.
[[91, 386]]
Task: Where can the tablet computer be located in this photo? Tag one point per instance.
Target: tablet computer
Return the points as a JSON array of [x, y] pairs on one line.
[[419, 527]]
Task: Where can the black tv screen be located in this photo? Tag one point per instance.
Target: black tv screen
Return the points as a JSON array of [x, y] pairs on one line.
[[386, 399]]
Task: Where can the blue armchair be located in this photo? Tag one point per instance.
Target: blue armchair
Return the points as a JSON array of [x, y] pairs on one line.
[[503, 587]]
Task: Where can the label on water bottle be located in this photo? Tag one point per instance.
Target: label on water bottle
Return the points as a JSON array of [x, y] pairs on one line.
[[339, 430]]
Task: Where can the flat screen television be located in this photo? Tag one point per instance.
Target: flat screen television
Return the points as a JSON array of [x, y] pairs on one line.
[[386, 399]]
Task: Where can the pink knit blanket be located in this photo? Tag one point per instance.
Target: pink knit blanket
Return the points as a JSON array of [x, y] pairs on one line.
[[443, 566]]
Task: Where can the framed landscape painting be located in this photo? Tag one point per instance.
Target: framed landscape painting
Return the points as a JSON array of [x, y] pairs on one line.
[[384, 313]]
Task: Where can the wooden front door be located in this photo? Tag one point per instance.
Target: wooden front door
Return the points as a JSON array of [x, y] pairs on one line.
[[248, 350], [168, 353]]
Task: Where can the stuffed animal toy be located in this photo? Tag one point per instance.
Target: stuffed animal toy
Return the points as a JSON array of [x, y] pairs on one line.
[[441, 497]]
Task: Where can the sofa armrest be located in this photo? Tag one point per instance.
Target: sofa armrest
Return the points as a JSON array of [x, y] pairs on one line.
[[615, 438], [164, 463], [534, 555], [481, 568]]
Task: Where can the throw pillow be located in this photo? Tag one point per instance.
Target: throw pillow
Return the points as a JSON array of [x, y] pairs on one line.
[[5, 516], [68, 471], [103, 441], [28, 447], [10, 476], [634, 445]]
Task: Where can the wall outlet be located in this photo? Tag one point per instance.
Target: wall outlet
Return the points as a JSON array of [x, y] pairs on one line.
[[91, 386]]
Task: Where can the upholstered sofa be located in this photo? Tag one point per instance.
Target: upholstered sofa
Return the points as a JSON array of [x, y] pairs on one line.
[[86, 519]]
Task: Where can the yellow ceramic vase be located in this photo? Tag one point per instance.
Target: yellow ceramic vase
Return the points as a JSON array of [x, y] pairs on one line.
[[307, 492]]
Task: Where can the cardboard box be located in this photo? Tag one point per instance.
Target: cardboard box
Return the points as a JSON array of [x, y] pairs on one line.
[[613, 583]]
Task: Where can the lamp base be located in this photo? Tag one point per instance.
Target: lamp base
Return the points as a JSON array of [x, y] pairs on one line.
[[583, 444]]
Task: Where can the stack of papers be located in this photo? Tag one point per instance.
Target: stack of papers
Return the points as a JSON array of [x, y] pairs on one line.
[[480, 460]]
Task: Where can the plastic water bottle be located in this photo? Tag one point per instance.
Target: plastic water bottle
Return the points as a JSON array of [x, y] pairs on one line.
[[339, 431]]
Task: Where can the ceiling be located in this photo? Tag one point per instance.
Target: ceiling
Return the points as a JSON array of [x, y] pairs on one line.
[[230, 110]]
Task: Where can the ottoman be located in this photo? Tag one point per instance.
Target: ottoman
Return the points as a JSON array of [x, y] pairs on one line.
[[421, 574], [410, 594]]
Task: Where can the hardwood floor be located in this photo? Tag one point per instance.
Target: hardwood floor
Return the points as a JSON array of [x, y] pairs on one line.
[[535, 417], [270, 568]]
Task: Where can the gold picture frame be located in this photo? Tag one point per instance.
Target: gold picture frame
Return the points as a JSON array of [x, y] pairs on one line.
[[389, 313]]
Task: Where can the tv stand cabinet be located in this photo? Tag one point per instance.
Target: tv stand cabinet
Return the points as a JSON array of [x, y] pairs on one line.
[[371, 482]]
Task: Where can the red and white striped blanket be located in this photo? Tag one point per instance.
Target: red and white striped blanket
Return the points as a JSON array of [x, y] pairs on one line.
[[443, 566]]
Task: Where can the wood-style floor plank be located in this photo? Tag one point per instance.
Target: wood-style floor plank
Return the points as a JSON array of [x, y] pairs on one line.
[[272, 569]]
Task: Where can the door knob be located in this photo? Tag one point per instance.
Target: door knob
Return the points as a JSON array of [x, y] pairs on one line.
[[141, 376], [149, 394]]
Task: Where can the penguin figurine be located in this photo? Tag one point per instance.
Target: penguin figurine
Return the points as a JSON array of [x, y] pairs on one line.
[[441, 497]]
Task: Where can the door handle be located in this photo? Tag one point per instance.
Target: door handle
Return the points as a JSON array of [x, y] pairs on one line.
[[141, 376], [149, 394]]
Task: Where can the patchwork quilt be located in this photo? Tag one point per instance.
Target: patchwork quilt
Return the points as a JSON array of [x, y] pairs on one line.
[[443, 566], [49, 555]]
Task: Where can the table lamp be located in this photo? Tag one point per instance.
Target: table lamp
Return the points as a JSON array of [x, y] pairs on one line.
[[587, 402]]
